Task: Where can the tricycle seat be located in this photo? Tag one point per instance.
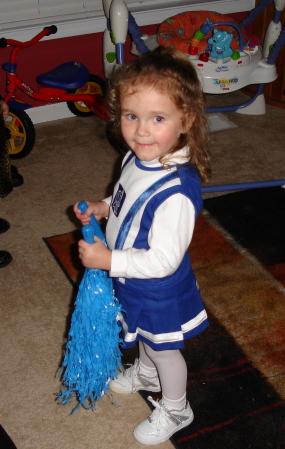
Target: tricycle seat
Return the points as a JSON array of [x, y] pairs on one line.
[[68, 76]]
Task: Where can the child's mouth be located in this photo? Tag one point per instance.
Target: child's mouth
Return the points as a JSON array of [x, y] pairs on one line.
[[144, 145]]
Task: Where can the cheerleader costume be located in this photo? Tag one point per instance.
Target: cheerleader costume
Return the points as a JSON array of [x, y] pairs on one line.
[[150, 225]]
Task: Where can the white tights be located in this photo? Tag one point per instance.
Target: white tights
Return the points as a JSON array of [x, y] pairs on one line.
[[172, 371]]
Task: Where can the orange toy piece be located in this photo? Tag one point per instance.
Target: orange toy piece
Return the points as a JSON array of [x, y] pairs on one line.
[[178, 31]]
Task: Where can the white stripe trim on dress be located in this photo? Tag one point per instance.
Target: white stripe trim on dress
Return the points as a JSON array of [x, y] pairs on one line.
[[166, 337]]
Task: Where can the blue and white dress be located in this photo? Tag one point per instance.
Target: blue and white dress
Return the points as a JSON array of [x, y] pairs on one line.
[[150, 226]]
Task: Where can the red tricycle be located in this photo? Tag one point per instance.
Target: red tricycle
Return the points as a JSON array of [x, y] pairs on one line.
[[70, 82]]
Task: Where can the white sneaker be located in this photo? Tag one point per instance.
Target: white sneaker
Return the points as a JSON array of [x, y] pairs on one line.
[[162, 423], [131, 381]]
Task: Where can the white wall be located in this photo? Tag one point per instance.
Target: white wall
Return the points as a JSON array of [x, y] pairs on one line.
[[145, 13]]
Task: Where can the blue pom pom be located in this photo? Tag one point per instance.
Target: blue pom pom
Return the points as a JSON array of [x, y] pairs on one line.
[[92, 355]]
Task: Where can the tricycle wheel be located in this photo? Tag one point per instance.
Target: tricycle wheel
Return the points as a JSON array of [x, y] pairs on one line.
[[20, 134], [94, 86]]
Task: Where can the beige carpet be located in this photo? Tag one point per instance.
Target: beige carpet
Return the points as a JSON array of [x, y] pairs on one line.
[[73, 161]]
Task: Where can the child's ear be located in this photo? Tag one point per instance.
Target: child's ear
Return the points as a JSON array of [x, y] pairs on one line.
[[187, 123]]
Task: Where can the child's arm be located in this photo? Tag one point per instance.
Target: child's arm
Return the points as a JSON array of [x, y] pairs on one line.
[[99, 209]]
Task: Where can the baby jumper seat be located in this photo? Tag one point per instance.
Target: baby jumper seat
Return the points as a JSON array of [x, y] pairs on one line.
[[178, 31]]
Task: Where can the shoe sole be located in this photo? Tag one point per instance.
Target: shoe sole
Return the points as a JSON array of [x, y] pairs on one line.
[[4, 264], [121, 391], [6, 228], [165, 438]]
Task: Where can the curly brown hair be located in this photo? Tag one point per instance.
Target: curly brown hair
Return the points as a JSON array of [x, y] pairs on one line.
[[169, 72]]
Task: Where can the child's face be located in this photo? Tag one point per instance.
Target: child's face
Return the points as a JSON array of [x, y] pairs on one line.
[[150, 123]]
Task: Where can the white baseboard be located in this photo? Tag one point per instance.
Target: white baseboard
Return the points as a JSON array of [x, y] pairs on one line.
[[49, 112]]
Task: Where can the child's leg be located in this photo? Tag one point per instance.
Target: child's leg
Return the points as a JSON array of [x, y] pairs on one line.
[[173, 412], [147, 367], [172, 370]]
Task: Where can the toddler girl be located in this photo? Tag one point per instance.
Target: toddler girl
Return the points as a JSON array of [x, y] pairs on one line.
[[156, 104]]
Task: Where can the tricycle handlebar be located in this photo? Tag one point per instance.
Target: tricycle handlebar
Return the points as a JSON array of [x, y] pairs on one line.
[[47, 31], [52, 29], [3, 42]]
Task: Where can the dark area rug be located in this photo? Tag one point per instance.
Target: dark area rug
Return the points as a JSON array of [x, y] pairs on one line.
[[5, 440], [256, 220], [234, 405]]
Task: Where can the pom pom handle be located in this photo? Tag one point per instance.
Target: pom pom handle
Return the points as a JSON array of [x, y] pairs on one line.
[[88, 233], [82, 206]]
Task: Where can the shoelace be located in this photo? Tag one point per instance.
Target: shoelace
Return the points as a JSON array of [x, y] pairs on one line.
[[161, 413]]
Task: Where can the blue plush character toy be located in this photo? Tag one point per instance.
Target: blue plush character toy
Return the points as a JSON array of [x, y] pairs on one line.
[[221, 44]]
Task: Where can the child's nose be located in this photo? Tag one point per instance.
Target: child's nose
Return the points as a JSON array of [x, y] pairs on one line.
[[142, 128]]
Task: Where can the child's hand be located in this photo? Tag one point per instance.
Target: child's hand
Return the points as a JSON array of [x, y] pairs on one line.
[[99, 209], [95, 255]]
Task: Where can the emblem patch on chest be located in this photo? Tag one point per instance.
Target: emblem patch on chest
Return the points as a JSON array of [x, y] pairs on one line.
[[118, 201]]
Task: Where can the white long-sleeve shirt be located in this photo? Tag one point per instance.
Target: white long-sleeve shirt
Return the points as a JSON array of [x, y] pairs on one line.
[[170, 232]]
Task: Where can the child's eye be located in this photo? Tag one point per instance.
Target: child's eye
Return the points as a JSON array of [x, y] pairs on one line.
[[131, 117], [158, 119]]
